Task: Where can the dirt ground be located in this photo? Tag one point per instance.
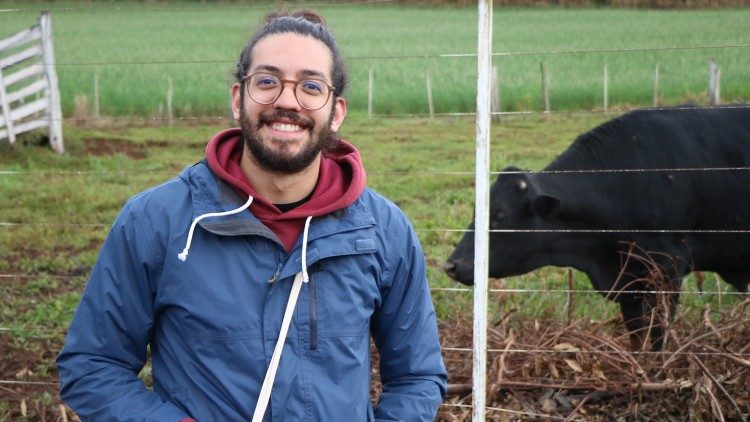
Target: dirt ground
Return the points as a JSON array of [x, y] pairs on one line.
[[537, 370]]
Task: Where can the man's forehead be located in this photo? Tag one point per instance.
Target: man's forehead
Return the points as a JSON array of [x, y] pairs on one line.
[[292, 54]]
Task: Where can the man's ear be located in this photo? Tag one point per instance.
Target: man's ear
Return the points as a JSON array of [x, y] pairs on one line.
[[339, 112], [546, 206], [236, 94]]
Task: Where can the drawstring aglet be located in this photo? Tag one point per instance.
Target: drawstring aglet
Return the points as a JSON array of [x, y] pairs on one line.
[[183, 256]]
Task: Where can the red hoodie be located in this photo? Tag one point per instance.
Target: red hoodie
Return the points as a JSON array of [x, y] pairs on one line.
[[340, 182]]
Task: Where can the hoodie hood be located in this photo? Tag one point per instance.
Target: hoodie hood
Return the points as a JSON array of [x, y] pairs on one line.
[[340, 182]]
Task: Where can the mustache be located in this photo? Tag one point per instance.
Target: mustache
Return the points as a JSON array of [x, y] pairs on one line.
[[270, 116]]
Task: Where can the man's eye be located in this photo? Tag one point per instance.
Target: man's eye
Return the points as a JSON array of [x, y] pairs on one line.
[[266, 82], [312, 86]]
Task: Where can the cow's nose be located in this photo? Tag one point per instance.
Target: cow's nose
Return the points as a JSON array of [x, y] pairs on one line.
[[449, 268]]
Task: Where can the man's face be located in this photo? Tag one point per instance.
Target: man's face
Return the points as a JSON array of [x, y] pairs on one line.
[[282, 136]]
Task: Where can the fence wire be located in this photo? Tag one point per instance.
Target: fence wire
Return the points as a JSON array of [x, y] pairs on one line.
[[599, 352], [522, 113], [468, 290], [424, 56]]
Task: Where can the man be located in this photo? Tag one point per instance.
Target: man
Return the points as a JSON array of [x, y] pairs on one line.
[[205, 282]]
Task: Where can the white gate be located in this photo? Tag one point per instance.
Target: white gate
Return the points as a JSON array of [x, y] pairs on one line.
[[29, 95]]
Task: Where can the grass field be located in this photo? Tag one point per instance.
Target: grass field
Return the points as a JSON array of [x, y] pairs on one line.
[[136, 46]]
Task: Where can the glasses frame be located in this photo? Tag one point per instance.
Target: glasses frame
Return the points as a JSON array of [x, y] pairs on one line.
[[331, 89]]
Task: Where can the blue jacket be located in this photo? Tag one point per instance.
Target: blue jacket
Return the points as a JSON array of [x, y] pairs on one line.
[[212, 321]]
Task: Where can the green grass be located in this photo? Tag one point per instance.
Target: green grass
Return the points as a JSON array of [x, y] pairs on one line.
[[137, 46]]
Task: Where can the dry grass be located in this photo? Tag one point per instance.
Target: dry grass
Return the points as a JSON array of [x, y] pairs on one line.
[[584, 370]]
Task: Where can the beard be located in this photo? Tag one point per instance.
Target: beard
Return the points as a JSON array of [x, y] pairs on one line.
[[275, 156]]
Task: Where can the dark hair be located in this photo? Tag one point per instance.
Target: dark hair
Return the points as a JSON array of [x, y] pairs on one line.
[[303, 22]]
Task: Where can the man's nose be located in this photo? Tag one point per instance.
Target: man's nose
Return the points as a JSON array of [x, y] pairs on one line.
[[287, 99]]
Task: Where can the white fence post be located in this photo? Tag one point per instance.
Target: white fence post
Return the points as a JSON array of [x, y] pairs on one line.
[[29, 95], [482, 219], [54, 112]]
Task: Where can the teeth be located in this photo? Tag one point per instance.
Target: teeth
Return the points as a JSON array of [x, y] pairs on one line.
[[285, 127]]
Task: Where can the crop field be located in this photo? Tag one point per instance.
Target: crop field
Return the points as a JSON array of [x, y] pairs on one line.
[[56, 209], [136, 47]]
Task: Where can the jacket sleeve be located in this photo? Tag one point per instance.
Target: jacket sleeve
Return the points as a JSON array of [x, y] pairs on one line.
[[405, 333], [106, 345]]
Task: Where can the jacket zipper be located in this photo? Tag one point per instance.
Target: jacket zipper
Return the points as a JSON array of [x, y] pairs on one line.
[[313, 310], [275, 275]]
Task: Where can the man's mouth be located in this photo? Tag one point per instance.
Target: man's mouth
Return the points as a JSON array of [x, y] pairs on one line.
[[285, 127]]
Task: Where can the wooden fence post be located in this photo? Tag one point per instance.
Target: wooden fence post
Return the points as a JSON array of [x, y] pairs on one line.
[[495, 96], [713, 82], [170, 113], [429, 97], [545, 88], [55, 112], [369, 95], [656, 86], [606, 88], [96, 95]]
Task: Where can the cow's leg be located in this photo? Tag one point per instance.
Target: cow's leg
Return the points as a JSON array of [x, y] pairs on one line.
[[659, 307], [647, 313], [634, 312]]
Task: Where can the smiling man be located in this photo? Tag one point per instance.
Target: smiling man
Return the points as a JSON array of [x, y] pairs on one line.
[[258, 276]]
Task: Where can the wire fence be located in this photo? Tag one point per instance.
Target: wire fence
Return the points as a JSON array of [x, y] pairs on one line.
[[528, 113]]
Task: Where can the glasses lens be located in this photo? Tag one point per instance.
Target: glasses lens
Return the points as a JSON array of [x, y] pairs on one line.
[[312, 94], [263, 88]]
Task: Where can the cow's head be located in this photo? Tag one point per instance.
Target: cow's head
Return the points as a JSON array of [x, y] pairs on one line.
[[517, 202]]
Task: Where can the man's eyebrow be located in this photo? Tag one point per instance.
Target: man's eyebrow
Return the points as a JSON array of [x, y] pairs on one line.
[[311, 72], [267, 67], [300, 74]]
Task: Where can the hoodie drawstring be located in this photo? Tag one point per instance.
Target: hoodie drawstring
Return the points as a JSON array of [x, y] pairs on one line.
[[184, 254], [265, 390]]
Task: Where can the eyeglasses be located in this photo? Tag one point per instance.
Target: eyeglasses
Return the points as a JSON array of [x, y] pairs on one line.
[[265, 88]]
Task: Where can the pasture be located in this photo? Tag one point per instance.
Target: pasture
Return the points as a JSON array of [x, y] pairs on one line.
[[57, 208]]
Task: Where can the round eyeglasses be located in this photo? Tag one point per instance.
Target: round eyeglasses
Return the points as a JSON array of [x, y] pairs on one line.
[[265, 88]]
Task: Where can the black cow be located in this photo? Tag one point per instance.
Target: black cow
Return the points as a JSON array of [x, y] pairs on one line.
[[665, 178]]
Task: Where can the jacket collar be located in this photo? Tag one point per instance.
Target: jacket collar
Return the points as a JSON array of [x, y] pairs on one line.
[[210, 194]]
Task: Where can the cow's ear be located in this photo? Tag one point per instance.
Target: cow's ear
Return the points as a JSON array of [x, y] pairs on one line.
[[546, 206]]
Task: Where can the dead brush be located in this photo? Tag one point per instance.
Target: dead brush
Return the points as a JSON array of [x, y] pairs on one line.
[[582, 370], [654, 278]]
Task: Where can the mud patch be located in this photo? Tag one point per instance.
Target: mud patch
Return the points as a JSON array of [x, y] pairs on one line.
[[105, 147]]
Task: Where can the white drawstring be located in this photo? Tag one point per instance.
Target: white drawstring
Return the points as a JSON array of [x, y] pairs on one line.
[[184, 254], [305, 278], [265, 389]]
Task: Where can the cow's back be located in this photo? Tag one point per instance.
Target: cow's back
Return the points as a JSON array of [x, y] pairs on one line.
[[683, 169]]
